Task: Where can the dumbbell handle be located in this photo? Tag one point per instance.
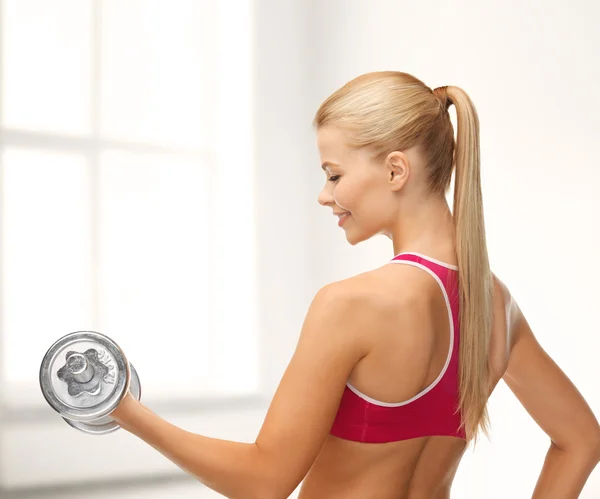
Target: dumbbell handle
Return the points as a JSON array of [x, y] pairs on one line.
[[80, 368]]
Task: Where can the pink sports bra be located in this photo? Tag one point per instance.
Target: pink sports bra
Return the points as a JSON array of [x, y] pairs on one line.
[[433, 411]]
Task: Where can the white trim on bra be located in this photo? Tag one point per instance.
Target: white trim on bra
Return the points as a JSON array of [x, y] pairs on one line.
[[448, 357], [443, 264]]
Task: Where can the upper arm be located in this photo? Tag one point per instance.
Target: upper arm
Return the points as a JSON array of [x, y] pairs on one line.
[[546, 392], [332, 341]]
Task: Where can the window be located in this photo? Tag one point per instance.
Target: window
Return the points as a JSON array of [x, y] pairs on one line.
[[127, 203]]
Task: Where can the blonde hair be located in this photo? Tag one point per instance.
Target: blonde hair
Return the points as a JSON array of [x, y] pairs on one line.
[[387, 111]]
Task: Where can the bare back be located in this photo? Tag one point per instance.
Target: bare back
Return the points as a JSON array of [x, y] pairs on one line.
[[417, 468]]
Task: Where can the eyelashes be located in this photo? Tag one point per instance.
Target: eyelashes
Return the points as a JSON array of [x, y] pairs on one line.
[[333, 178]]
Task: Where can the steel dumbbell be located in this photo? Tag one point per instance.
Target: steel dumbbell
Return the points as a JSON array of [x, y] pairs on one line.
[[84, 375]]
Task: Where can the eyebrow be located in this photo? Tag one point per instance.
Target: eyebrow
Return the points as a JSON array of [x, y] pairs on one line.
[[328, 163]]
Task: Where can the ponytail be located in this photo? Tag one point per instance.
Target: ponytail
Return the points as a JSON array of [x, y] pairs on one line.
[[476, 283]]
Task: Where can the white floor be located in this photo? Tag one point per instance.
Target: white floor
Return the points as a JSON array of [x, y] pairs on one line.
[[164, 491], [155, 491], [183, 489]]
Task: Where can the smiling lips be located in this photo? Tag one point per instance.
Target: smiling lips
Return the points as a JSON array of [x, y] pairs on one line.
[[342, 217]]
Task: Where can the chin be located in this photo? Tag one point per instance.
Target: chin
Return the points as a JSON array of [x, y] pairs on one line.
[[354, 238]]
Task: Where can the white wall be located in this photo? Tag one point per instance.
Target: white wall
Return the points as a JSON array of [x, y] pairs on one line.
[[283, 145], [531, 69]]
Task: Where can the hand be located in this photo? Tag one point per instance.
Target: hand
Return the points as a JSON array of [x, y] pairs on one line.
[[125, 409]]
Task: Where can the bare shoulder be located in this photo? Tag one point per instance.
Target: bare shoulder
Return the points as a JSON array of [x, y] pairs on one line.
[[355, 295], [388, 300], [387, 287], [353, 305]]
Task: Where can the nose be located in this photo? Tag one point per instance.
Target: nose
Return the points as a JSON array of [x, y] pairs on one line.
[[325, 197]]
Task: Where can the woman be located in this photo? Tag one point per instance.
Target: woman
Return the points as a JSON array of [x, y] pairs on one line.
[[375, 402]]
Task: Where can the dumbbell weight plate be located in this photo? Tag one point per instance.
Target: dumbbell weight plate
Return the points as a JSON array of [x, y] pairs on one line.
[[90, 401], [106, 424]]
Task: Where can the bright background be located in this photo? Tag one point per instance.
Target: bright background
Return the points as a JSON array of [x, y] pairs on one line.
[[159, 180]]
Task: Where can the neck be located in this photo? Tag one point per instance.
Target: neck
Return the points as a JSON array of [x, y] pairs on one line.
[[428, 228]]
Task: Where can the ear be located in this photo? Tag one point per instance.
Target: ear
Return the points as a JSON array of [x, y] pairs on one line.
[[397, 169]]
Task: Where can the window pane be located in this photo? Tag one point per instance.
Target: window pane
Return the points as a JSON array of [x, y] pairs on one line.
[[46, 244], [155, 269], [156, 71], [46, 49]]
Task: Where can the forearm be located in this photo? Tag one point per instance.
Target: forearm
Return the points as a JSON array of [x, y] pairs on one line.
[[233, 469], [564, 473]]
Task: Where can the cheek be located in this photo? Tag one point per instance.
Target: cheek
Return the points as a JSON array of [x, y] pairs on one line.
[[352, 193], [345, 194]]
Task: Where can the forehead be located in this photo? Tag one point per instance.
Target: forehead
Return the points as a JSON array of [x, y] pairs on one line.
[[331, 140]]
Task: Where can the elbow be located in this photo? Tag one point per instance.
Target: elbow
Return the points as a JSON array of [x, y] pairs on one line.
[[275, 480], [277, 488], [264, 491], [595, 447], [269, 485], [588, 448], [274, 491]]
